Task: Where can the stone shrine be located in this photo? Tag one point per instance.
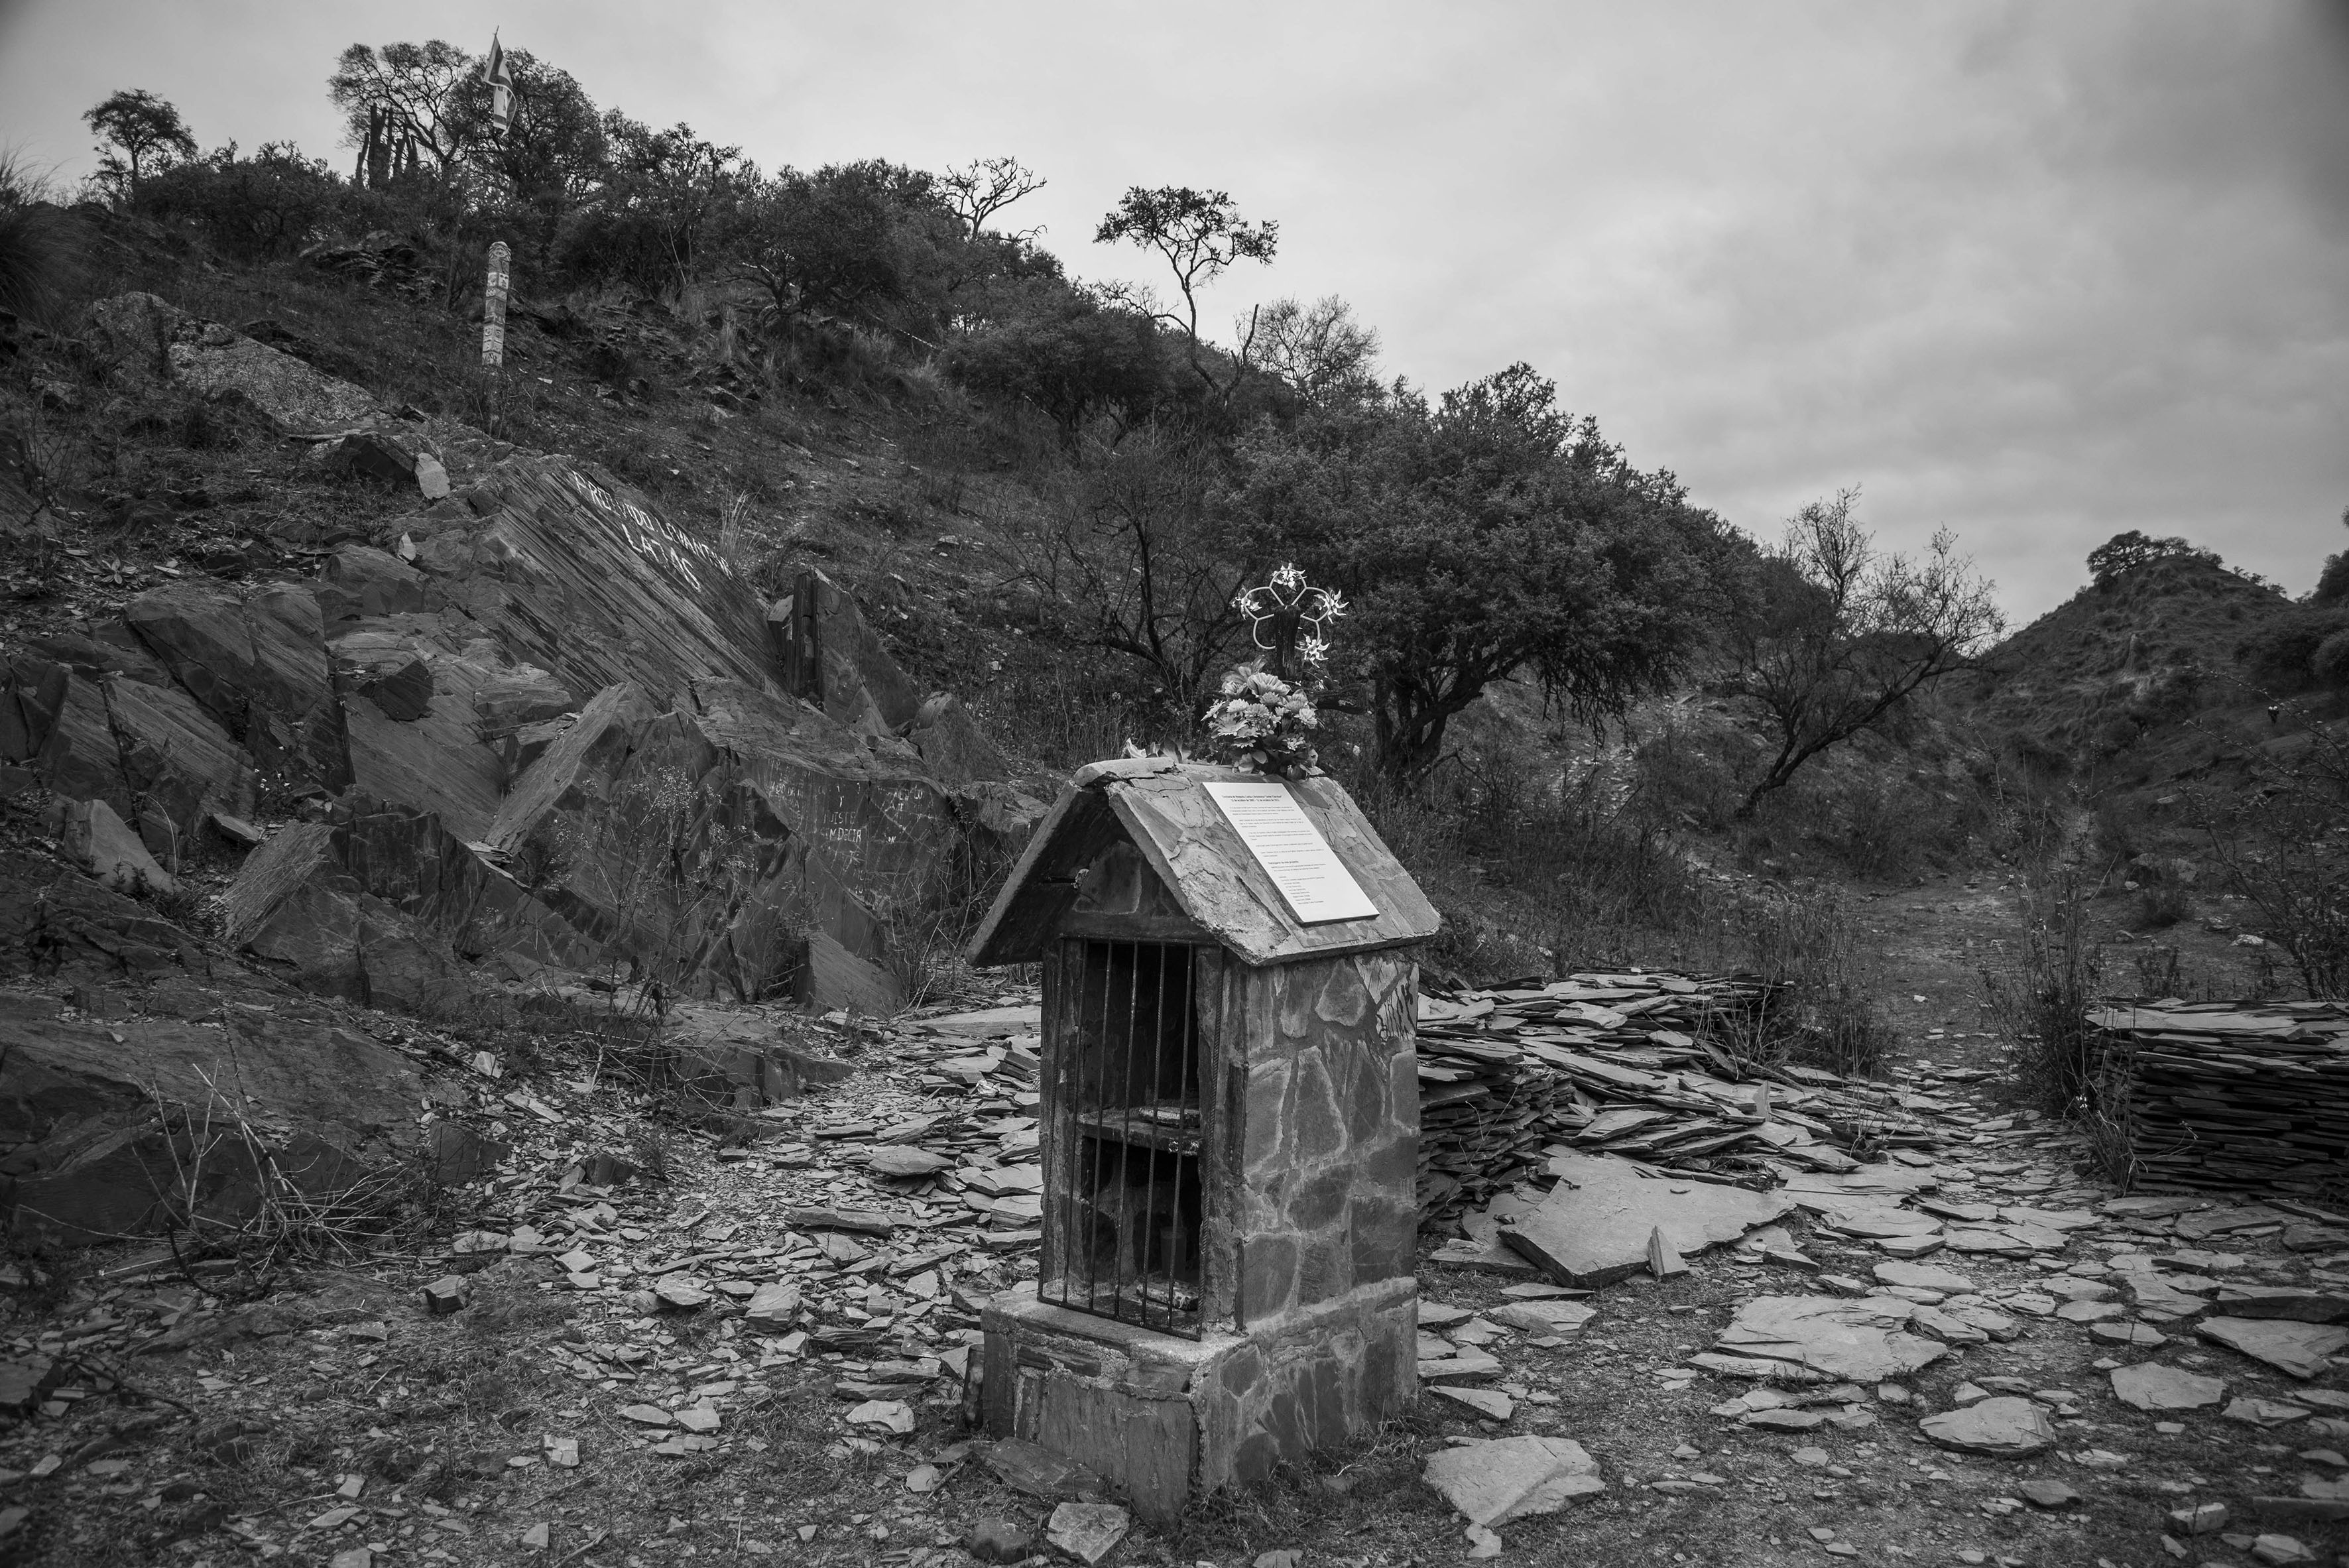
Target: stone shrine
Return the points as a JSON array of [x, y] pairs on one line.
[[1229, 1128]]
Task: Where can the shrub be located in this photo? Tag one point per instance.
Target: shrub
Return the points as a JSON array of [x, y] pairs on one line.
[[39, 260], [2041, 1005], [1818, 1007], [2330, 662], [2161, 906], [269, 204], [2283, 652]]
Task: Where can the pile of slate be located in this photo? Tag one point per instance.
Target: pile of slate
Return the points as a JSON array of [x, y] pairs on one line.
[[2231, 1095], [1624, 1064]]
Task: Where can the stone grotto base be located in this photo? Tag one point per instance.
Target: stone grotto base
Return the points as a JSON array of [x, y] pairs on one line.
[[1164, 1419]]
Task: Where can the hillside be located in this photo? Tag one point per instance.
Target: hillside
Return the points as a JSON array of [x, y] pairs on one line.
[[2176, 671]]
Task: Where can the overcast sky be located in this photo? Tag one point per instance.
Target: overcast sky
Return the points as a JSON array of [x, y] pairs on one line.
[[2040, 272]]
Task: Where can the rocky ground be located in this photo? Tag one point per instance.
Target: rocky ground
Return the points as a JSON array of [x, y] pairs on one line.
[[634, 1343]]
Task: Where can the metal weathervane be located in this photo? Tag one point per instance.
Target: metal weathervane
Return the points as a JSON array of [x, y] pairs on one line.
[[1287, 618]]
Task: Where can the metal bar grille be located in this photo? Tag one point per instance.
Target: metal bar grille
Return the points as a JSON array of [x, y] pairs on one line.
[[1128, 1205]]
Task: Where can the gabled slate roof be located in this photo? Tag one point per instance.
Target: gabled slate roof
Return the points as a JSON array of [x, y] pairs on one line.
[[1159, 805]]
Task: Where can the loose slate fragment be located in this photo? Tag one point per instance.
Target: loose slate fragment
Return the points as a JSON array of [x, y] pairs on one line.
[[1088, 1530], [904, 1163], [2298, 1348], [2050, 1493], [1039, 1473], [1864, 1341], [1594, 1228], [1922, 1277], [2004, 1427], [2150, 1386], [1513, 1478], [1489, 1403], [773, 1306], [1544, 1317], [889, 1415]]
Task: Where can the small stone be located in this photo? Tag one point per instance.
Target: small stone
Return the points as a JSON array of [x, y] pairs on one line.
[[645, 1415], [1286, 1557], [536, 1537], [1088, 1530], [444, 1295], [1483, 1542], [2201, 1519], [1969, 1394], [1809, 1456], [889, 1415], [2280, 1550], [681, 1292], [774, 1306], [2049, 1493], [990, 1541]]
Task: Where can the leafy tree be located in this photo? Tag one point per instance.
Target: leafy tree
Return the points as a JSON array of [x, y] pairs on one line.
[[406, 102], [2127, 552], [552, 156], [1491, 537], [1843, 636], [1200, 233], [664, 205], [845, 241], [980, 189], [143, 128]]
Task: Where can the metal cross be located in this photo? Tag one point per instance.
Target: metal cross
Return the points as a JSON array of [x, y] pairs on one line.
[[1288, 617]]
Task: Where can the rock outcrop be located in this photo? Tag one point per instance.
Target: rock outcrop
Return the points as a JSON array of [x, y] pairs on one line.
[[534, 722]]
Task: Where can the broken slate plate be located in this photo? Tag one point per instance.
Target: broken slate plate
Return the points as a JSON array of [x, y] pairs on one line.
[[1489, 1403], [1865, 1340], [2150, 1386], [1881, 1224], [1922, 1277], [2298, 1302], [1039, 1471], [1513, 1478], [1593, 1228], [2004, 1428], [1544, 1316], [2298, 1348]]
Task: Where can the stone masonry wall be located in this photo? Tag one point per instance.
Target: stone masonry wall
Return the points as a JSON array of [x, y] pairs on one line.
[[1311, 1183]]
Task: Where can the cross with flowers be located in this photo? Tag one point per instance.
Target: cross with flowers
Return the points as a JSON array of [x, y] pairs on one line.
[[1287, 618]]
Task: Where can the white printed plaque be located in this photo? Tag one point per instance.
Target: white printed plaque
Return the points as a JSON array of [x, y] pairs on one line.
[[1315, 885]]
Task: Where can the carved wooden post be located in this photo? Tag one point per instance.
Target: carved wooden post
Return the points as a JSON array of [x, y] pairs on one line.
[[493, 304]]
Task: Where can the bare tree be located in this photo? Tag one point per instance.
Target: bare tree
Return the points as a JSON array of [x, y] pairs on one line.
[[1319, 349], [1201, 235], [1842, 635], [986, 186], [1134, 566], [408, 96]]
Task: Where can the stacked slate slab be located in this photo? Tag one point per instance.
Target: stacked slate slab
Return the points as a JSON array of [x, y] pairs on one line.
[[1631, 1065], [2229, 1094]]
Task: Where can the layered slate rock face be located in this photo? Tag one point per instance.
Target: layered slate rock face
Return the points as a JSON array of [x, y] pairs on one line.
[[542, 724]]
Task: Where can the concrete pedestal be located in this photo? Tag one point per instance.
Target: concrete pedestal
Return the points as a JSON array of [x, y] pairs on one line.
[[1165, 1418]]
